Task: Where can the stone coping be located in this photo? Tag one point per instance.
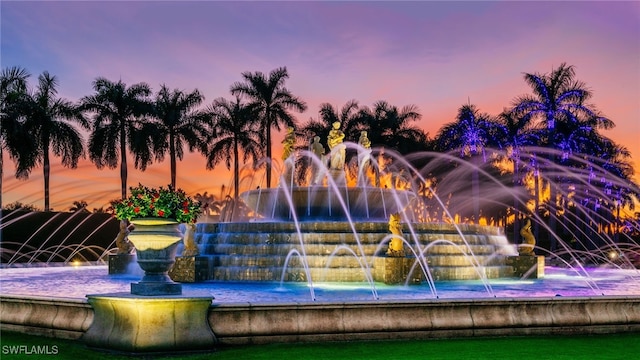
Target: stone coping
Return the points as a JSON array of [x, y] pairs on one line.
[[255, 323]]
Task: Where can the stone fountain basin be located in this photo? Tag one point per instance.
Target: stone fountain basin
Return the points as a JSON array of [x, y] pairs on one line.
[[327, 203]]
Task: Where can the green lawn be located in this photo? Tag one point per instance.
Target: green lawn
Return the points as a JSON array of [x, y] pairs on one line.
[[617, 346]]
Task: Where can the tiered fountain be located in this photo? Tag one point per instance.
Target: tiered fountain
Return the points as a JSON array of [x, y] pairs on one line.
[[331, 232]]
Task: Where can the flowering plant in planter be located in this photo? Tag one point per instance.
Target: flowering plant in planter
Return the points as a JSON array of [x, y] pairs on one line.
[[167, 203]]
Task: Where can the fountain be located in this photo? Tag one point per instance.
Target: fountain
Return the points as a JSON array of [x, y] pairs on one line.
[[340, 233], [294, 269]]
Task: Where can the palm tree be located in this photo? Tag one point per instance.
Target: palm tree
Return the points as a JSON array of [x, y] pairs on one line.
[[179, 123], [514, 134], [557, 97], [13, 138], [235, 130], [471, 134], [48, 120], [273, 101], [348, 116], [389, 126], [118, 121]]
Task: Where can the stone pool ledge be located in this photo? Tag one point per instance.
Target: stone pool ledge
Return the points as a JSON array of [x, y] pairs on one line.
[[260, 323]]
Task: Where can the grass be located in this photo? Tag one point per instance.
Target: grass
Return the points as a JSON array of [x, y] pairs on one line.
[[610, 346]]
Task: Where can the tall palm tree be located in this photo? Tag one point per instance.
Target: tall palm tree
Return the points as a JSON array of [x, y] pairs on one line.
[[273, 100], [389, 126], [179, 123], [48, 119], [235, 131], [119, 121], [13, 138], [471, 134], [557, 97], [513, 135]]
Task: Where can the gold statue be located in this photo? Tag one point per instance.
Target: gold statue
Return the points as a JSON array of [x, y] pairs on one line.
[[288, 141], [122, 241], [396, 246], [528, 242], [337, 148], [364, 140], [364, 155], [190, 247], [317, 149]]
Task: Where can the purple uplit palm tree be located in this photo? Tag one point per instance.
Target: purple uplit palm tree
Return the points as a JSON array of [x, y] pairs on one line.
[[559, 103], [470, 134], [513, 135]]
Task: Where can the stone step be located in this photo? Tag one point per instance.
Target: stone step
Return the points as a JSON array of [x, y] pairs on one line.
[[252, 238], [298, 274], [328, 249], [344, 227], [345, 260]]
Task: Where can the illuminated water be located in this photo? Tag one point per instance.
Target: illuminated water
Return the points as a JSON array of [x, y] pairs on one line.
[[76, 282]]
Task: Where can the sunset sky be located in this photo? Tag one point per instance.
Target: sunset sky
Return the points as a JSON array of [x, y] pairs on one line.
[[435, 55]]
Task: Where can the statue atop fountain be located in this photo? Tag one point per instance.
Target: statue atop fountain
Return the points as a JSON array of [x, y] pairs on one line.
[[364, 156], [337, 148], [316, 170]]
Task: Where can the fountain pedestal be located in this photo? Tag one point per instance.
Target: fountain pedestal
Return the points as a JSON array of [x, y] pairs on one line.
[[396, 270], [134, 323], [190, 269], [526, 266]]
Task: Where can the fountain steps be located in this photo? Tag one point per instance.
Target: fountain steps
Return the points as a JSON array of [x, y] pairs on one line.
[[359, 227], [342, 261], [259, 251], [248, 238], [326, 250], [298, 274]]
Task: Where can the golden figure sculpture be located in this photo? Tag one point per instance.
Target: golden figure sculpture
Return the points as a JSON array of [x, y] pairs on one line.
[[337, 148], [396, 247], [190, 247], [122, 241], [288, 141], [528, 240], [318, 150], [365, 155]]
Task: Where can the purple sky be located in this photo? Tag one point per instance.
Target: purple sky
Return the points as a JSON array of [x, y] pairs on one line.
[[436, 55]]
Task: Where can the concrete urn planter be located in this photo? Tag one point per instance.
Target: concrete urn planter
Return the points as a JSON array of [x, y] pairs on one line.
[[156, 241]]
